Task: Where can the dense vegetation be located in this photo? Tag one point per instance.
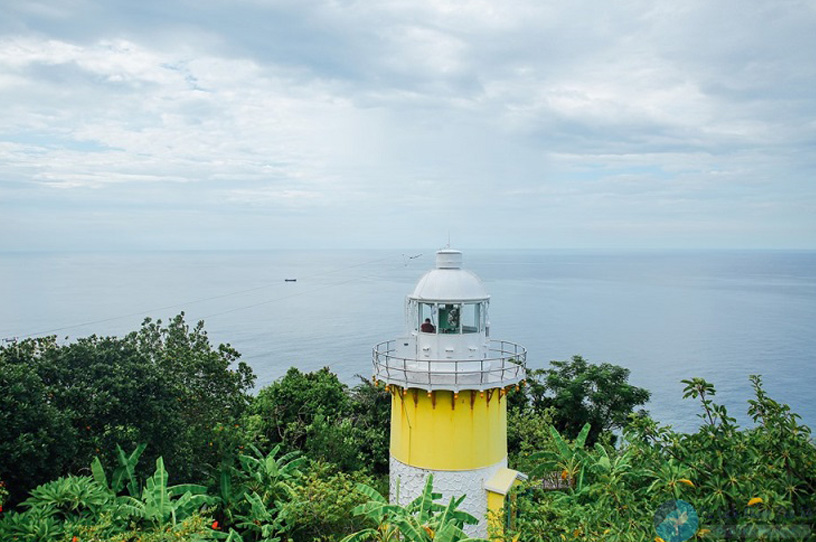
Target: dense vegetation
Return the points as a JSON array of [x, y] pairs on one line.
[[748, 484], [155, 436]]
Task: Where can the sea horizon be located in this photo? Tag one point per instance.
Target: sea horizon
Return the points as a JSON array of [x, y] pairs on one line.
[[664, 314]]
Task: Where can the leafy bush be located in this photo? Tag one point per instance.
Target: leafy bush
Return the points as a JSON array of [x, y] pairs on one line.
[[321, 508], [71, 506], [288, 407], [320, 416], [756, 482], [60, 406]]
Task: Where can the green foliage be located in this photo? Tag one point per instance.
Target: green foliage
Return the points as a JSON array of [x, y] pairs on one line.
[[270, 476], [253, 495], [569, 460], [320, 416], [209, 392], [35, 525], [756, 482], [579, 393], [258, 521], [371, 418], [195, 528], [70, 496], [320, 510], [62, 405], [38, 439], [124, 476], [422, 520], [161, 504], [71, 505], [527, 432], [300, 461], [289, 406]]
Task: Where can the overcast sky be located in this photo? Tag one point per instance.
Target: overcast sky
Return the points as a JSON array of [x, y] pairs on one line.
[[312, 123]]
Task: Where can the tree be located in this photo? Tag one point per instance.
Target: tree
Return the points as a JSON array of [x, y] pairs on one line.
[[317, 414], [209, 392], [371, 415], [286, 409], [581, 393], [38, 440], [61, 405]]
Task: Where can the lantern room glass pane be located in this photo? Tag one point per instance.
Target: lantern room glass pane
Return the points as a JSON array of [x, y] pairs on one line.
[[471, 318], [450, 316], [427, 311]]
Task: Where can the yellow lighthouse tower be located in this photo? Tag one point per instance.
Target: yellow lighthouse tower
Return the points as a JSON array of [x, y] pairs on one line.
[[448, 380]]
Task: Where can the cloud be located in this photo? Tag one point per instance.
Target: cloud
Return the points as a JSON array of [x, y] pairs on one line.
[[505, 121]]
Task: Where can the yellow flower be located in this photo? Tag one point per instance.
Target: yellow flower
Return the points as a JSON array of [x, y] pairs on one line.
[[686, 481], [703, 532], [658, 539], [755, 500]]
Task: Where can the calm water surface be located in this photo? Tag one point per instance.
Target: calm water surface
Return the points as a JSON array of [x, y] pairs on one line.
[[664, 315]]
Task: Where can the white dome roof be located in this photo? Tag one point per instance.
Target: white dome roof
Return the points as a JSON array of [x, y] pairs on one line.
[[449, 282]]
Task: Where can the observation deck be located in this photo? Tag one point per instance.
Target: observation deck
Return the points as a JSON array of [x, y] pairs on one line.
[[502, 365]]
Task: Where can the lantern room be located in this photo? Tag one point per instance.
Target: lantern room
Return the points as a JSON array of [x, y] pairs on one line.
[[447, 342]]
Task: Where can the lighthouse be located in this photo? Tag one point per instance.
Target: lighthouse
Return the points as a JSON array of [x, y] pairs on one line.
[[448, 382]]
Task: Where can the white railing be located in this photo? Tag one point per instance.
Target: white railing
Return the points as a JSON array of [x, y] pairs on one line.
[[503, 366]]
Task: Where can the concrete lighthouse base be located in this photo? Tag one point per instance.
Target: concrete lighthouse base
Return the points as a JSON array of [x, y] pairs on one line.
[[407, 483]]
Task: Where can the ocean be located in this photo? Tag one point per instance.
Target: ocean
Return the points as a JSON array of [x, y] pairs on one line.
[[664, 315]]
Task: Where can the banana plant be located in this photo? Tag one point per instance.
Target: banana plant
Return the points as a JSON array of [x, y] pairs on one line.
[[423, 520], [378, 511], [613, 473], [252, 496], [229, 497], [163, 505], [260, 522], [270, 476], [124, 476], [569, 460]]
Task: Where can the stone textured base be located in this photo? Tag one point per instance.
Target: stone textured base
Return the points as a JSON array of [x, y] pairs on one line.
[[407, 482]]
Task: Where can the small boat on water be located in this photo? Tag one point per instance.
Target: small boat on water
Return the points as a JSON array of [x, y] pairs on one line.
[[290, 280]]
